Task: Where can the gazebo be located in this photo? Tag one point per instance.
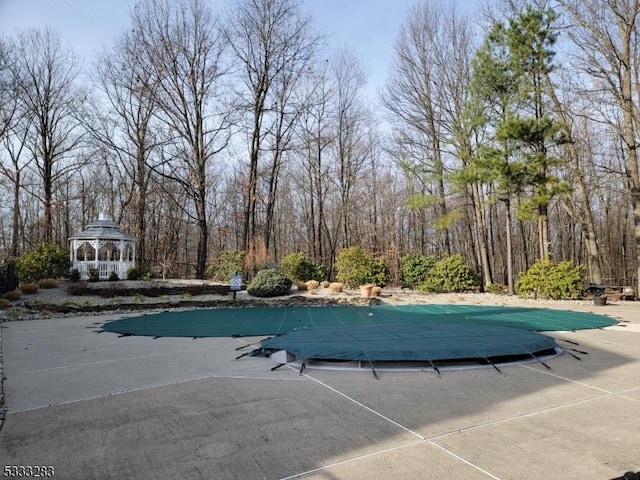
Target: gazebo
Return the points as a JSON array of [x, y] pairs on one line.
[[105, 247]]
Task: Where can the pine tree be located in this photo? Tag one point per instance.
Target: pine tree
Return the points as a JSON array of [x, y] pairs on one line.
[[507, 87]]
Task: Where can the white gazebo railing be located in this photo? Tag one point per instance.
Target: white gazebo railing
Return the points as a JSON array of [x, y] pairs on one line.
[[103, 246]]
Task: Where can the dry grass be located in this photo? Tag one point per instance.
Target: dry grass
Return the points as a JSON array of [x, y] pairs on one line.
[[48, 283], [312, 284], [29, 288], [13, 295], [336, 287]]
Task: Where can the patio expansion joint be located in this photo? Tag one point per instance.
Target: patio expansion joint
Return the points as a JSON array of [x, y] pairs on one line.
[[608, 393], [522, 416], [420, 438], [433, 440], [132, 390], [111, 360], [361, 405]]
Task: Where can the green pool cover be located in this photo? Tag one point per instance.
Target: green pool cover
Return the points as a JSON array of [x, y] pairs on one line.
[[405, 343], [381, 333], [262, 321]]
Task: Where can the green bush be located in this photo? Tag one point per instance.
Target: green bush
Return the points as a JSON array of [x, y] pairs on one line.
[[228, 263], [134, 273], [552, 280], [495, 288], [269, 283], [415, 269], [355, 266], [113, 277], [74, 275], [379, 272], [299, 269], [94, 275], [450, 274], [45, 261], [8, 275]]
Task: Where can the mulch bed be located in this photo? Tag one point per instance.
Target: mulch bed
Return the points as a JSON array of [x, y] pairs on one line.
[[293, 300], [155, 291]]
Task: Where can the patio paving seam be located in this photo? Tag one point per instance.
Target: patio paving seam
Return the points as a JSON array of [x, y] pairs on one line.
[[560, 377], [523, 415], [122, 392], [461, 459], [353, 459], [361, 405], [422, 439], [99, 362]]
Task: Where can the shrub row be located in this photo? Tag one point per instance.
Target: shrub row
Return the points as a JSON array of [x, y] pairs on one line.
[[354, 266]]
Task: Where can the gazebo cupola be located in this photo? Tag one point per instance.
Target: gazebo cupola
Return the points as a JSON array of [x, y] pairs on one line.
[[103, 246]]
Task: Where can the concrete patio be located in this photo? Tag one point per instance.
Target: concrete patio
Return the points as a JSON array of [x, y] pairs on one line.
[[100, 406]]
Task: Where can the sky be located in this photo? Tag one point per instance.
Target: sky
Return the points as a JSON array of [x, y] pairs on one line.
[[368, 27]]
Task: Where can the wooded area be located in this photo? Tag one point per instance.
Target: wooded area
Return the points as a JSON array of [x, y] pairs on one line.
[[504, 135]]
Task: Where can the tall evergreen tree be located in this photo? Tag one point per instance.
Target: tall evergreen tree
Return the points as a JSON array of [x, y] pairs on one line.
[[508, 81], [530, 40]]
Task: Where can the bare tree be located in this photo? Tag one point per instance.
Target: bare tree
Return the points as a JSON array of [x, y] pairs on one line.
[[127, 128], [417, 102], [50, 102], [351, 147], [578, 206], [181, 45], [11, 170], [315, 137], [8, 97], [273, 42], [13, 143], [605, 34]]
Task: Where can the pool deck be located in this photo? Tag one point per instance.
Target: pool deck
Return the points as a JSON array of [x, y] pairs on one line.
[[99, 406]]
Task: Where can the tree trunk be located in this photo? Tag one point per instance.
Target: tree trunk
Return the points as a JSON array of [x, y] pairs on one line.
[[481, 235], [15, 217], [510, 283]]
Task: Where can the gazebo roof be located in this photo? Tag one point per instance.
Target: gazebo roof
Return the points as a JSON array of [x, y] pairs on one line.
[[104, 228]]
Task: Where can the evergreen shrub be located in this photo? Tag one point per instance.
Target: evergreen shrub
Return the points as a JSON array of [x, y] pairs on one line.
[[269, 283], [299, 269], [415, 269], [450, 274], [355, 266], [94, 275], [47, 260], [495, 288], [226, 264], [134, 273], [74, 275], [8, 278], [552, 280]]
